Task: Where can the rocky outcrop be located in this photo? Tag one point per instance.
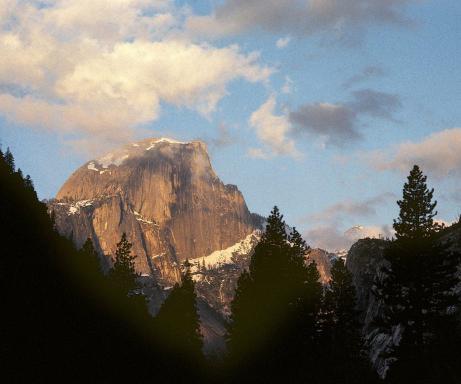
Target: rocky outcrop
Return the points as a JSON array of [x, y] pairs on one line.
[[324, 261], [365, 261], [164, 194]]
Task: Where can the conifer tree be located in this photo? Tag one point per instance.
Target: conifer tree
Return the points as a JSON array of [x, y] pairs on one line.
[[90, 256], [29, 184], [178, 321], [418, 289], [341, 329], [9, 160], [275, 307], [123, 273], [416, 218]]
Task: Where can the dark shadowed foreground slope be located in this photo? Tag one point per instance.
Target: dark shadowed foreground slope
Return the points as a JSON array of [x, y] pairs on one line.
[[61, 321]]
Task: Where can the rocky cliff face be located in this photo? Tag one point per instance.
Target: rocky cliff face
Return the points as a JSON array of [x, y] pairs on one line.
[[164, 194], [324, 261], [365, 261]]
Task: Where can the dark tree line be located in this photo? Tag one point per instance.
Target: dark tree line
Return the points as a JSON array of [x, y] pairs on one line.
[[285, 326], [64, 320], [418, 292]]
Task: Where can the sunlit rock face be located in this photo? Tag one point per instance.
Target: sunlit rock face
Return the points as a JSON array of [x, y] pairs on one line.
[[164, 194], [324, 261]]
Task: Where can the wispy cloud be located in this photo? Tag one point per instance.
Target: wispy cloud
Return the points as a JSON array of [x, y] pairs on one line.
[[355, 209], [283, 42], [224, 137], [367, 73]]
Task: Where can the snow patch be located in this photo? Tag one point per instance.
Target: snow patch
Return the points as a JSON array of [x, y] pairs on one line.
[[163, 140], [75, 207], [113, 159], [224, 256], [140, 218], [92, 167]]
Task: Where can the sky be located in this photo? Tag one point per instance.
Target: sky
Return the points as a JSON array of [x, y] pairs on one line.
[[318, 106]]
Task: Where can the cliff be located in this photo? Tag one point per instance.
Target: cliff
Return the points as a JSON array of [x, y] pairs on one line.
[[164, 194]]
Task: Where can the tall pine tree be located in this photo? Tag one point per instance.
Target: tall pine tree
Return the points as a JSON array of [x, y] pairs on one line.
[[417, 291], [342, 344], [123, 273], [178, 322], [275, 307]]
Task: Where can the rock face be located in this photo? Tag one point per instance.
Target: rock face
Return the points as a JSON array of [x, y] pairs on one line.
[[365, 261], [324, 261], [164, 194]]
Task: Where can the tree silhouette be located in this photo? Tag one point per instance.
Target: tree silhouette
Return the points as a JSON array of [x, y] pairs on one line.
[[9, 161], [275, 308], [61, 320], [178, 321], [418, 291], [341, 330], [123, 273], [416, 218], [90, 256]]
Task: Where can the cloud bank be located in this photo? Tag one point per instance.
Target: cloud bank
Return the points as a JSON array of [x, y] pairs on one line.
[[101, 68], [438, 154]]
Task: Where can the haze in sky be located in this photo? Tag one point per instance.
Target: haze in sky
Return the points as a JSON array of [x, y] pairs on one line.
[[318, 106]]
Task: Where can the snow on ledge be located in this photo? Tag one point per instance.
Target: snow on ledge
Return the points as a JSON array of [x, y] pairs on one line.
[[224, 256], [92, 166], [75, 207], [141, 219], [163, 140]]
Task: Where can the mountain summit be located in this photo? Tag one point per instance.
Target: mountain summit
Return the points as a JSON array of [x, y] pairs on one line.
[[164, 194]]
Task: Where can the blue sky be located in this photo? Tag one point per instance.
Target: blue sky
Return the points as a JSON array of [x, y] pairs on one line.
[[319, 106]]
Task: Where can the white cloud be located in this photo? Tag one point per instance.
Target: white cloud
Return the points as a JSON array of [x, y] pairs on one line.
[[438, 154], [273, 129], [104, 67], [283, 42]]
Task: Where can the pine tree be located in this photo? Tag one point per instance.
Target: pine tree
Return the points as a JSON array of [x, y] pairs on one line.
[[9, 160], [416, 218], [28, 183], [275, 308], [123, 273], [90, 256], [417, 290], [341, 329], [178, 322]]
